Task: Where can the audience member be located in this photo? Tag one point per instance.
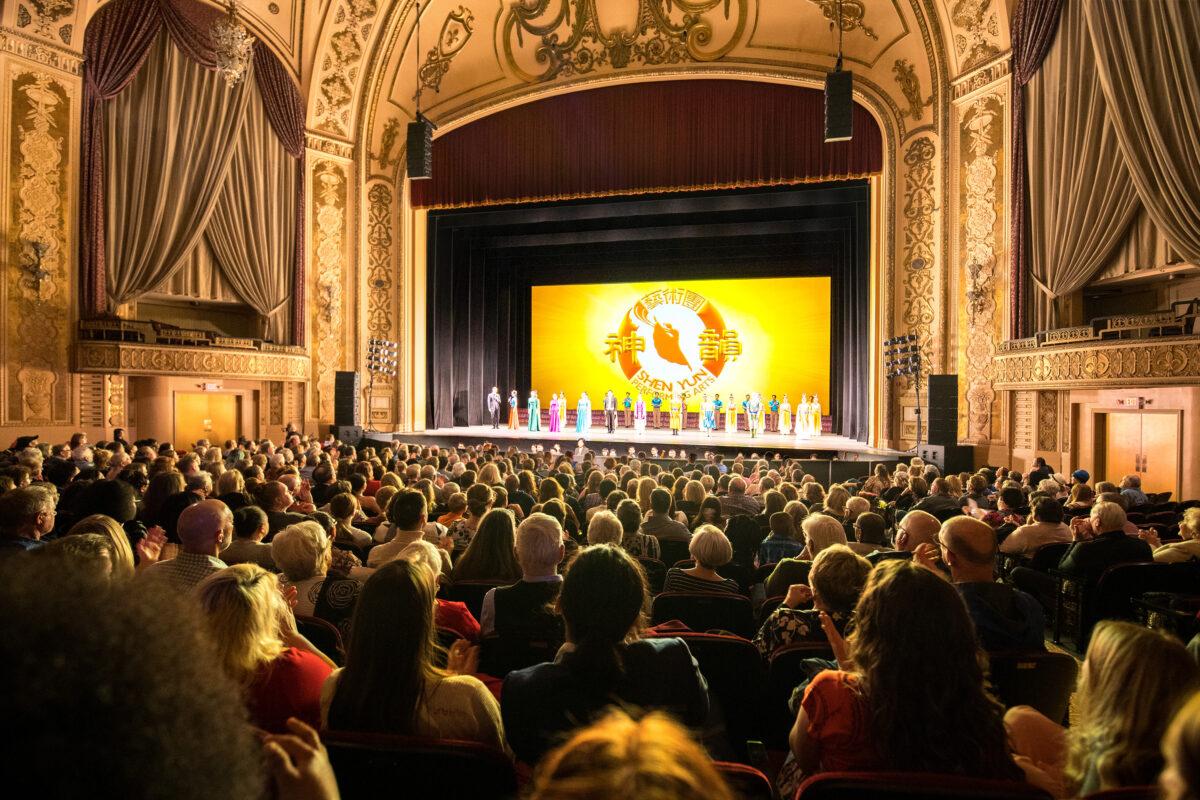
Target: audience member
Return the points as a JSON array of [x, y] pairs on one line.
[[821, 531], [782, 542], [249, 529], [26, 515], [633, 541], [834, 585], [659, 523], [205, 529], [1047, 528], [710, 550], [304, 553], [491, 555], [1187, 549], [1180, 777], [521, 611]]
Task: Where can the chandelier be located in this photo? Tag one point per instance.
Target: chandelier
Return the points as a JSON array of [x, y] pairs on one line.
[[233, 46]]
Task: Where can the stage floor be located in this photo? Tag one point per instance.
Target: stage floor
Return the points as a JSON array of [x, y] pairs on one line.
[[728, 444]]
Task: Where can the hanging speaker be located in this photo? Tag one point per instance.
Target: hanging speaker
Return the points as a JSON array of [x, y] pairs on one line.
[[420, 149], [839, 103]]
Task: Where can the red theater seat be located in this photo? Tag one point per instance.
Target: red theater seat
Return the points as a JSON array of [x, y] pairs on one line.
[[747, 782], [912, 786]]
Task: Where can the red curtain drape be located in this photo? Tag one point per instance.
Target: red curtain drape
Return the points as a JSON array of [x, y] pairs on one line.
[[1034, 25], [643, 137], [115, 45]]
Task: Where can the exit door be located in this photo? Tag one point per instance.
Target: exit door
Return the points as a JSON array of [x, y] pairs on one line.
[[1144, 443]]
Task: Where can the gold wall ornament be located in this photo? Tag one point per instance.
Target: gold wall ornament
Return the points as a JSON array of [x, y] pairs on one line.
[[40, 52], [980, 150], [1047, 428], [41, 17], [329, 231], [387, 143], [976, 30], [119, 358], [572, 44], [852, 16], [910, 85], [116, 401], [338, 72], [380, 293], [38, 297], [920, 209], [1163, 361], [331, 147], [456, 30]]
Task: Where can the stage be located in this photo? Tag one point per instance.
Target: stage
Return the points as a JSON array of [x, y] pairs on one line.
[[823, 448]]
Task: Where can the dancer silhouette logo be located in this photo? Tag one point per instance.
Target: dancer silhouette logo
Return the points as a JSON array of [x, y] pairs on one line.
[[672, 340]]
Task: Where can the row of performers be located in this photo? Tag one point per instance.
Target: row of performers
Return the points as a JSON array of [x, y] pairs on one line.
[[762, 416]]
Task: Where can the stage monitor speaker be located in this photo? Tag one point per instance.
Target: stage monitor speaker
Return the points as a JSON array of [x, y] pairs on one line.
[[839, 106], [943, 409], [345, 398], [347, 434], [420, 149], [952, 458]]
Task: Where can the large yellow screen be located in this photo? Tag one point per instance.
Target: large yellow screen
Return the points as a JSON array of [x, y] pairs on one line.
[[766, 335]]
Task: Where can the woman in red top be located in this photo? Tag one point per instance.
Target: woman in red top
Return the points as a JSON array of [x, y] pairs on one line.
[[258, 644], [910, 693]]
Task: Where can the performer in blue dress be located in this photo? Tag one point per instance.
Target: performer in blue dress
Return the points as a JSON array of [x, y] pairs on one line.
[[534, 407], [583, 414], [627, 403], [754, 410], [708, 416]]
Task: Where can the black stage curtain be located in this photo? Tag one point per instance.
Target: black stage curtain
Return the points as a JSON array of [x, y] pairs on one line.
[[483, 261]]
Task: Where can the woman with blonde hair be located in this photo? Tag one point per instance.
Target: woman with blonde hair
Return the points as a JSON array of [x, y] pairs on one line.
[[229, 482], [646, 487], [1180, 778], [618, 756], [120, 552], [254, 632], [812, 494], [835, 502], [489, 475], [1187, 549], [710, 549], [1123, 710]]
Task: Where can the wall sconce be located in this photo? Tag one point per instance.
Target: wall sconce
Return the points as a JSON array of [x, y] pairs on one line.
[[32, 265]]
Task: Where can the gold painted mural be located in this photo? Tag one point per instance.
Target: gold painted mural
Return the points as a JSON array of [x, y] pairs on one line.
[[38, 285], [328, 236]]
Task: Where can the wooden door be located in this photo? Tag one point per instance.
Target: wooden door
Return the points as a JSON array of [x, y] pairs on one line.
[[1122, 444], [206, 415], [1160, 452]]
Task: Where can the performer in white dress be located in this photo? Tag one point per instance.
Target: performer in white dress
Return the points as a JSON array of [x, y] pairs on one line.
[[708, 416], [785, 416], [803, 417], [815, 410], [754, 414], [639, 415], [731, 424]]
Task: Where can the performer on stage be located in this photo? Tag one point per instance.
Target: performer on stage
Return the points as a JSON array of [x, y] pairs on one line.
[[731, 415], [816, 416], [562, 411], [772, 414], [803, 417], [583, 414], [656, 404], [754, 412], [785, 416], [493, 407], [676, 414], [708, 416], [555, 426], [514, 418], [639, 415], [628, 405], [610, 410], [534, 406]]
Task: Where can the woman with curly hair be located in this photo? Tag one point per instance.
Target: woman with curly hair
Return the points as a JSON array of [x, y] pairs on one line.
[[909, 694]]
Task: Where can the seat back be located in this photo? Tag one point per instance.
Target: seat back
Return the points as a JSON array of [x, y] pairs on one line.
[[469, 592], [911, 786], [325, 637], [887, 555], [768, 608], [670, 551], [500, 655], [1119, 584], [656, 573], [702, 611], [784, 673], [1043, 680], [742, 576], [746, 782], [734, 673], [1126, 793], [1046, 557], [745, 535], [370, 766]]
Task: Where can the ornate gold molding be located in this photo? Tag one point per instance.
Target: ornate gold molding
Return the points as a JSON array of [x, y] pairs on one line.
[[1164, 361], [910, 85], [330, 147], [456, 30], [379, 264], [981, 76], [977, 28], [117, 358], [40, 52], [329, 197], [337, 74], [920, 206]]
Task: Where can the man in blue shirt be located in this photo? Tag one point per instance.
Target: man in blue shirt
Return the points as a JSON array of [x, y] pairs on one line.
[[26, 515], [656, 404]]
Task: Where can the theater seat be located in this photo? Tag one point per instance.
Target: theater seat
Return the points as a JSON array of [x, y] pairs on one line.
[[911, 786], [1126, 793], [785, 672], [469, 592], [734, 672], [499, 656], [656, 573], [702, 611], [324, 636], [374, 765], [1042, 680], [746, 782]]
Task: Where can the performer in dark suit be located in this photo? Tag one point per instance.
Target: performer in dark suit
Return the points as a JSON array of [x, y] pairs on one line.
[[610, 411], [493, 406]]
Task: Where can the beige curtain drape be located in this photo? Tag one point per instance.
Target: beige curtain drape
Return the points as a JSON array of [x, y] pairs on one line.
[[1146, 60], [252, 229], [169, 138], [1081, 197], [200, 277]]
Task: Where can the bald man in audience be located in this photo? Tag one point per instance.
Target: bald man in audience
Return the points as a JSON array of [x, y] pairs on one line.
[[205, 529], [1005, 618], [916, 528]]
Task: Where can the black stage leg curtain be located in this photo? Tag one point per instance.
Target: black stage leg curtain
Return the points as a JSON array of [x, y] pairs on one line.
[[483, 261]]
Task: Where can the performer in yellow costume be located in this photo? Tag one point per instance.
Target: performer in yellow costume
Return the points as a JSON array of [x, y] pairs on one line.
[[785, 415], [562, 411], [815, 425], [731, 416], [676, 414]]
